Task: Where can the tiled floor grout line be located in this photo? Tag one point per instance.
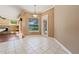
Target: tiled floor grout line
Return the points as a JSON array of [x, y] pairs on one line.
[[36, 44]]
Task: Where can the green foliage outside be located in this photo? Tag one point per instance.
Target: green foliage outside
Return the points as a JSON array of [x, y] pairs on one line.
[[13, 21]]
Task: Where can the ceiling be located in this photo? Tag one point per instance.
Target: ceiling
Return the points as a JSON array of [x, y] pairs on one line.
[[39, 8], [9, 12], [12, 11]]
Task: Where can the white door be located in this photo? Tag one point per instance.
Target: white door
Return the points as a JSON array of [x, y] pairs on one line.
[[44, 25]]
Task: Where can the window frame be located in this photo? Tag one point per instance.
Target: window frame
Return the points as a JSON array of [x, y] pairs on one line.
[[38, 25]]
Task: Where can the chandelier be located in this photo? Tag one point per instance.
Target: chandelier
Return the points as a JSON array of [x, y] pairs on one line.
[[35, 14]]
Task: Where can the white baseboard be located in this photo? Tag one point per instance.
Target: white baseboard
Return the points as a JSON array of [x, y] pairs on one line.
[[62, 46]]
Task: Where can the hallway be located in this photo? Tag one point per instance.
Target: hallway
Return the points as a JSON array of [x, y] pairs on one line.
[[33, 44]]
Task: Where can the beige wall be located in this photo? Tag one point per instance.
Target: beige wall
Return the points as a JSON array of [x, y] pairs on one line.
[[50, 14], [67, 26], [25, 16]]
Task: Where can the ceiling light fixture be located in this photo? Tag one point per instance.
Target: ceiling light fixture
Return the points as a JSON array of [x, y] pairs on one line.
[[35, 14]]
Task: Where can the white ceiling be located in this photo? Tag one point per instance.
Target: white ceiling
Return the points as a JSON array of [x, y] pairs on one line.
[[12, 11], [9, 12], [39, 8]]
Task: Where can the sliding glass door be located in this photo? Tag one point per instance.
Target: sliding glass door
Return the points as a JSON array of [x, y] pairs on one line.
[[44, 26]]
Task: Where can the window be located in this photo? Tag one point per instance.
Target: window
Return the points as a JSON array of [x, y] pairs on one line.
[[33, 24], [13, 21]]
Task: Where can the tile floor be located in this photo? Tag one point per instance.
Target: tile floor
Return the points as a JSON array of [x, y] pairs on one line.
[[34, 44]]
